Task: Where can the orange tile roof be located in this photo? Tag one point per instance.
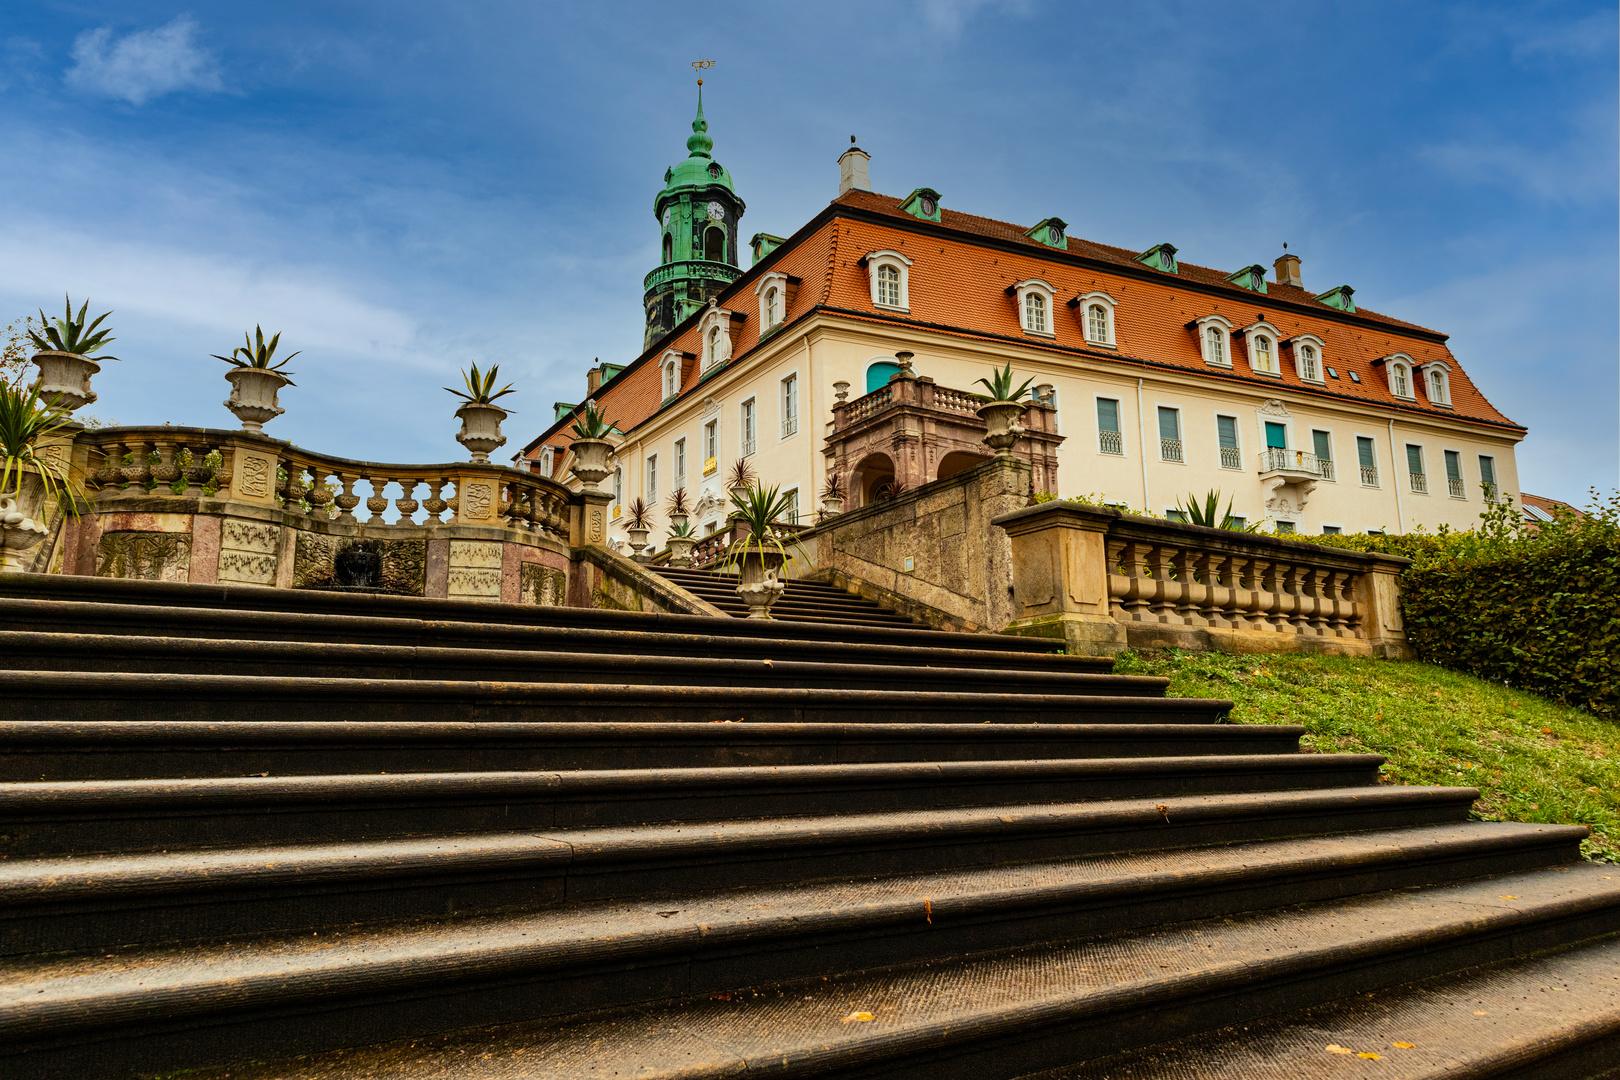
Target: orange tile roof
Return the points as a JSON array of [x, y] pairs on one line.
[[958, 286]]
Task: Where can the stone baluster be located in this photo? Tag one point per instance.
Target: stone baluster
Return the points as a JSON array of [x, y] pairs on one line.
[[292, 486], [109, 471], [1316, 607], [407, 503], [1181, 583], [1135, 602], [434, 503], [1342, 620], [1206, 575], [1161, 600], [1119, 580], [1254, 598], [165, 471], [346, 499], [139, 470], [1296, 605], [1273, 584], [320, 496], [197, 471]]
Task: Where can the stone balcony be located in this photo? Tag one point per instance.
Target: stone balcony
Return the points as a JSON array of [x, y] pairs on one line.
[[1289, 477]]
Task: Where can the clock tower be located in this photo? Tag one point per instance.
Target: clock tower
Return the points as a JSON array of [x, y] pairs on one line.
[[698, 215]]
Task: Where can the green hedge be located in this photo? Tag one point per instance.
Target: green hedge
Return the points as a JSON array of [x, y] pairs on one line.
[[1536, 609]]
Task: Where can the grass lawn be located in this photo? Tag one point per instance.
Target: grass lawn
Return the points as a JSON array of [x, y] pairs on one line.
[[1532, 760]]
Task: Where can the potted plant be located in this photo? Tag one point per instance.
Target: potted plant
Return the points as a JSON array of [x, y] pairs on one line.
[[679, 511], [479, 415], [637, 523], [65, 346], [681, 540], [832, 494], [740, 477], [29, 472], [1209, 513], [1003, 410], [256, 378], [758, 555], [593, 453]]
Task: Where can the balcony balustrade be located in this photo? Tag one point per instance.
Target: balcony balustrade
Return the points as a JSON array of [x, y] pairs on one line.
[[1369, 476], [1231, 458], [1420, 482], [1111, 442], [1170, 450], [1458, 491]]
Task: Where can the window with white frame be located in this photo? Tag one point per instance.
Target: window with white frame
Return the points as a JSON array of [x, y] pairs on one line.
[[1398, 370], [750, 411], [618, 489], [1308, 358], [680, 463], [548, 461], [711, 447], [1214, 332], [1322, 447], [1487, 477], [672, 375], [1170, 434], [773, 306], [1414, 469], [1097, 317], [772, 292], [888, 273], [1261, 339], [1034, 299], [1226, 433], [1264, 359], [715, 333], [1454, 475], [1367, 461], [652, 479], [1437, 382], [790, 512], [790, 406], [1109, 438]]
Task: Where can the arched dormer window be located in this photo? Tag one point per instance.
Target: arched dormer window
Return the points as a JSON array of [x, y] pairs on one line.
[[1307, 357], [1034, 299], [1400, 376], [775, 293], [672, 374], [1261, 339], [714, 331], [1215, 343], [1264, 360], [1437, 382], [889, 275], [1096, 313], [1035, 313], [1214, 337], [772, 302], [712, 356]]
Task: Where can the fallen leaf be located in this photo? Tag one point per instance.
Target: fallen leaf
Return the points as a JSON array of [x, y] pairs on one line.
[[768, 663], [1335, 1048], [1406, 1046], [1505, 896], [1165, 810], [861, 1017], [928, 910], [1481, 1012], [1370, 1056]]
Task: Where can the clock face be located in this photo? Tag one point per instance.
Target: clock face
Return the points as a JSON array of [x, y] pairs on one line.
[[716, 211]]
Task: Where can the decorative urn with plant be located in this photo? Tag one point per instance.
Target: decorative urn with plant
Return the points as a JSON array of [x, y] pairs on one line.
[[30, 471], [637, 523], [256, 378], [593, 453], [64, 358], [679, 511], [681, 541], [479, 415], [832, 495], [758, 555], [1004, 409], [740, 477]]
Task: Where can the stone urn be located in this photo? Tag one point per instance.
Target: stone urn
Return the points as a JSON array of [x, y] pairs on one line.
[[759, 581], [481, 429], [676, 520], [64, 378], [680, 550], [20, 528], [1002, 429], [253, 396], [832, 504], [593, 460], [638, 541]]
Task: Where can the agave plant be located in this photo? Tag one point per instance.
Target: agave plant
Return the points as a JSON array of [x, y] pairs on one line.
[[481, 387], [895, 488], [677, 502], [260, 354], [637, 515], [590, 423], [70, 334], [683, 530], [833, 487], [24, 421], [741, 474], [758, 510], [1000, 384], [1209, 514]]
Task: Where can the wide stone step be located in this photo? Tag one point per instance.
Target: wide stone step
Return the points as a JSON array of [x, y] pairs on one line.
[[1552, 1016], [999, 1014], [712, 638], [803, 601], [109, 696], [148, 815], [54, 903], [23, 650], [76, 750]]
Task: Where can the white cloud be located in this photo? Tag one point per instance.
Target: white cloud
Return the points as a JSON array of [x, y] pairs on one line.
[[949, 16], [143, 65]]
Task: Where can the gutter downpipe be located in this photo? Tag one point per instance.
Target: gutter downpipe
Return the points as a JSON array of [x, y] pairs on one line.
[[1141, 434], [1395, 479]]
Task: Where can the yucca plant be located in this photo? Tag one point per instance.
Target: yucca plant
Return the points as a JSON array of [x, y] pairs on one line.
[[637, 515], [677, 503], [1209, 514], [259, 354], [481, 387], [70, 334], [741, 474], [758, 509], [833, 487], [1000, 385], [24, 421], [589, 423]]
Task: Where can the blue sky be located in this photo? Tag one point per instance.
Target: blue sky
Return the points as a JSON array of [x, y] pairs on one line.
[[402, 187]]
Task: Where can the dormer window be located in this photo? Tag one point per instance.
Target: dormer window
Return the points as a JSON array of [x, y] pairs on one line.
[[1308, 357], [1252, 278], [1437, 382], [712, 356], [715, 329], [1398, 370], [775, 292], [888, 274], [1214, 334], [1160, 257], [1034, 306], [1050, 231], [1264, 361], [922, 203], [672, 376], [770, 311], [1096, 313], [1261, 339]]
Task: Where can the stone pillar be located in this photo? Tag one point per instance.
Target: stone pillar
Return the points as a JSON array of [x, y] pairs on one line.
[[253, 471], [1378, 594], [1060, 577], [587, 519], [478, 499]]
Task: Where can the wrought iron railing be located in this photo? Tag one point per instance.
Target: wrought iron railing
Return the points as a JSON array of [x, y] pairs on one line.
[[1458, 490], [1111, 442], [1170, 450], [1369, 476], [1274, 458], [1231, 458], [1420, 482]]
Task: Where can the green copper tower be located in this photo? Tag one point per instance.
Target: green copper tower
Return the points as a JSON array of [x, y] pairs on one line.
[[698, 215]]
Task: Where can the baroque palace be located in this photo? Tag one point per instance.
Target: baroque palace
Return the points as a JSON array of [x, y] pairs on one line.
[[853, 346]]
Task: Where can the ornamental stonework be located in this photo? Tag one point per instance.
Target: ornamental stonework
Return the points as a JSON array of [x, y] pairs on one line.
[[247, 552], [541, 585], [475, 501], [149, 556], [403, 568], [255, 475], [475, 570]]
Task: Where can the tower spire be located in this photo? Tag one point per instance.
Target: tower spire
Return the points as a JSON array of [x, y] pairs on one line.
[[698, 144]]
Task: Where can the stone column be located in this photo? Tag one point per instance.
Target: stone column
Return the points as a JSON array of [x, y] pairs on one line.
[[1060, 577], [1378, 594]]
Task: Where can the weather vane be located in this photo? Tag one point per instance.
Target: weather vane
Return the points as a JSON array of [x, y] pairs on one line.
[[702, 65]]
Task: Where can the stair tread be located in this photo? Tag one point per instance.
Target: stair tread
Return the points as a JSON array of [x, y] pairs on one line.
[[1481, 1022], [923, 1012]]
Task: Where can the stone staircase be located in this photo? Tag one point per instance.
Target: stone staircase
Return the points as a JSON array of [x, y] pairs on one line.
[[274, 835], [803, 601]]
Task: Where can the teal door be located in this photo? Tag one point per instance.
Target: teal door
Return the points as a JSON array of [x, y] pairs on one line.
[[878, 375], [1276, 436]]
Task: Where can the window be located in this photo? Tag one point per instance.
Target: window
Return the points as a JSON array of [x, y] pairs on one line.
[[1172, 514], [1332, 530], [1263, 358], [711, 447], [714, 330], [712, 357], [669, 249], [1307, 364], [888, 286], [1285, 528], [1213, 334], [652, 479], [1454, 476], [1169, 434], [1402, 389], [1438, 382], [1398, 371], [1239, 523], [618, 490], [1216, 345], [1096, 311], [672, 377], [1322, 447], [714, 244], [790, 406], [1487, 477], [1367, 459], [1261, 338], [1414, 469], [771, 306], [680, 463], [548, 461], [790, 513], [1109, 439], [1035, 313], [1276, 435], [1308, 357], [1437, 386], [1226, 430], [748, 427]]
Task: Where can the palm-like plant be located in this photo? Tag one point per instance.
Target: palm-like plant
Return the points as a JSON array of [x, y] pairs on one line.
[[1209, 513], [833, 487], [677, 503], [259, 354], [24, 421], [589, 423], [758, 509], [481, 387], [70, 334], [638, 515], [1000, 385], [741, 474]]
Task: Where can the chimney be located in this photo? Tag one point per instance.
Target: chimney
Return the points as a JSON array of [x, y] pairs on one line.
[[852, 169], [593, 380], [1287, 267]]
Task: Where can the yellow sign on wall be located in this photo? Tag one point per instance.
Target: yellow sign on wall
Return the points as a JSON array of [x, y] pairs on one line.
[[709, 465]]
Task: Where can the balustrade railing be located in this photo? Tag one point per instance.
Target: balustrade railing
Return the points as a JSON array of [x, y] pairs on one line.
[[863, 407], [192, 463], [1110, 442], [957, 400], [1231, 458], [1420, 482], [1458, 491], [1273, 458], [1369, 477], [708, 551], [1170, 450]]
